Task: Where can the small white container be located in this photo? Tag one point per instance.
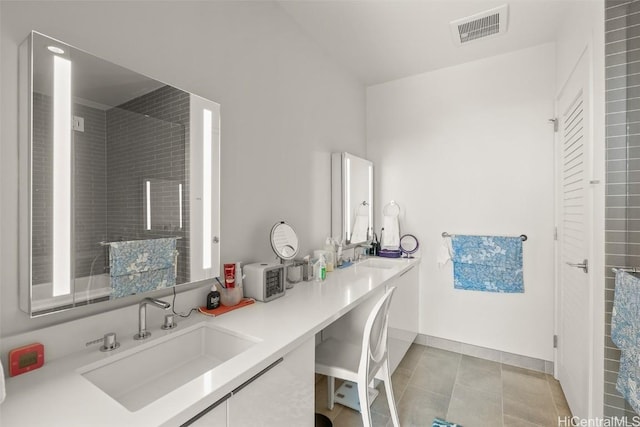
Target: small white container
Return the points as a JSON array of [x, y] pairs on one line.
[[231, 296], [294, 273]]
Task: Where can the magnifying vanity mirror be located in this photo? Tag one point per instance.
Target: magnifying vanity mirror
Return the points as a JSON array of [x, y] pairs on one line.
[[409, 245], [119, 181], [351, 199], [284, 241]]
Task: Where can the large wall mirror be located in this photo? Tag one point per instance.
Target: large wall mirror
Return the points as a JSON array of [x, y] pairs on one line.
[[119, 181], [351, 199]]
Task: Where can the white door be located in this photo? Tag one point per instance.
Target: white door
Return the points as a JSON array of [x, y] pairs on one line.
[[574, 202]]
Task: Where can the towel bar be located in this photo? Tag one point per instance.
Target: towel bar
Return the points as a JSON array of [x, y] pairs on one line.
[[626, 269], [103, 243], [522, 236]]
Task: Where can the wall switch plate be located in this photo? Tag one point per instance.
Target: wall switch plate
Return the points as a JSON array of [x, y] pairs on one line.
[[78, 123]]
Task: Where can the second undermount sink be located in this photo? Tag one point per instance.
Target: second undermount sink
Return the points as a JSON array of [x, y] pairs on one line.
[[159, 368], [383, 263]]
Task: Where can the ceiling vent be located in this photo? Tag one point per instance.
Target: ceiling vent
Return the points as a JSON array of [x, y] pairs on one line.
[[481, 25]]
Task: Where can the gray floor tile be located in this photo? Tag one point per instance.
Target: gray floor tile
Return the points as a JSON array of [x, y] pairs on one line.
[[347, 418], [564, 412], [558, 397], [419, 407], [431, 383], [399, 380], [481, 375], [527, 395], [381, 405], [321, 400], [410, 360], [539, 411], [480, 364], [436, 371], [474, 408], [435, 378], [350, 418], [523, 371], [431, 354], [524, 385], [517, 422]]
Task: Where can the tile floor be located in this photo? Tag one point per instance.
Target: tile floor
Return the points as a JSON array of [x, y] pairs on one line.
[[430, 382]]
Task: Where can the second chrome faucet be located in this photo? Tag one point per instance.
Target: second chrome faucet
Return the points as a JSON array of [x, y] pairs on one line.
[[142, 316]]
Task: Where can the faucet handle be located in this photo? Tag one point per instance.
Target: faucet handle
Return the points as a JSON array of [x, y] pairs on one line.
[[109, 342]]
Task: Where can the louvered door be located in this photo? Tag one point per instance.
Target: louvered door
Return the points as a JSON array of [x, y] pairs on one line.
[[574, 312]]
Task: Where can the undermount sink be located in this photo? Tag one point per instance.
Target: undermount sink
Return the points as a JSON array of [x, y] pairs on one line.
[[382, 263], [160, 367]]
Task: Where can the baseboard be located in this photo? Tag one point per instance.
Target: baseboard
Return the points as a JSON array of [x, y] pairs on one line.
[[520, 361]]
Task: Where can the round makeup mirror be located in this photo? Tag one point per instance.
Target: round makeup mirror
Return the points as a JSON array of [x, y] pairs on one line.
[[409, 245], [284, 241]]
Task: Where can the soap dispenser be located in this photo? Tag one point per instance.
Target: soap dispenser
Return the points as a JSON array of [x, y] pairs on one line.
[[321, 269]]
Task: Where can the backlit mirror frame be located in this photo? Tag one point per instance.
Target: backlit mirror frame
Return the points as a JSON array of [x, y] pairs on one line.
[[351, 199], [203, 169]]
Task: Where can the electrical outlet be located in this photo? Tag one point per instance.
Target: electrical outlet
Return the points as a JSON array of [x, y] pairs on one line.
[[78, 123]]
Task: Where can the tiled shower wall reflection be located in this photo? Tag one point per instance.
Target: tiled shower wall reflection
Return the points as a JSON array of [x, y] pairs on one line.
[[145, 138], [622, 200], [148, 139]]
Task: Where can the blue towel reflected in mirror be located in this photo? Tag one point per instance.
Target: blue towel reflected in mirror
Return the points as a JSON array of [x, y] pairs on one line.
[[139, 266]]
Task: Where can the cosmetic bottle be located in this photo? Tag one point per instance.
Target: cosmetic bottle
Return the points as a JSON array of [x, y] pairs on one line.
[[321, 269], [213, 299]]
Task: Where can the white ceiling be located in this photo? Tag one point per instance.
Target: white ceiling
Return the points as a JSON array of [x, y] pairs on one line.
[[383, 40]]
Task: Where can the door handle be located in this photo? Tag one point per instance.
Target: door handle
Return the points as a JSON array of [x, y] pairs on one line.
[[584, 266]]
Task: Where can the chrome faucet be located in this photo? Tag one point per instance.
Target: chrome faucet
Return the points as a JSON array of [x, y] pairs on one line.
[[142, 316], [360, 251]]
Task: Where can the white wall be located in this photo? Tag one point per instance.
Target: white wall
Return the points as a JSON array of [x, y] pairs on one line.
[[469, 150], [285, 107]]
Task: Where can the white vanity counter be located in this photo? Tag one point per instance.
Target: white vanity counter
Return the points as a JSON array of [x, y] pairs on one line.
[[58, 394]]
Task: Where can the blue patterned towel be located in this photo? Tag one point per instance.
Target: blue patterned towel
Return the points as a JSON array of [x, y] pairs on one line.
[[136, 256], [138, 266], [439, 422], [137, 283], [625, 334], [625, 317], [487, 263]]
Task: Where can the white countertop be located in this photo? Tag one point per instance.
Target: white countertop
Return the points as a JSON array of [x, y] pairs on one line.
[[57, 394]]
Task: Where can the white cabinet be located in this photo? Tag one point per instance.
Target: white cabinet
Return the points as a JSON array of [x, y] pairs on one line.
[[215, 417], [403, 315], [282, 396]]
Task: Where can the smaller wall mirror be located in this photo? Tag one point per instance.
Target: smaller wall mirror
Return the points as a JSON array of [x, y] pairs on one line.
[[351, 199]]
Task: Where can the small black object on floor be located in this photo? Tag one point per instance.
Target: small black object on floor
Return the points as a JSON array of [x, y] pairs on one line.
[[323, 421]]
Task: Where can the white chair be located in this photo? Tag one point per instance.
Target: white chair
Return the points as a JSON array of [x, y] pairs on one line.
[[361, 363]]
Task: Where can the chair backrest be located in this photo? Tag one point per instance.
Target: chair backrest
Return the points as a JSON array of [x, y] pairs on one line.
[[374, 339]]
